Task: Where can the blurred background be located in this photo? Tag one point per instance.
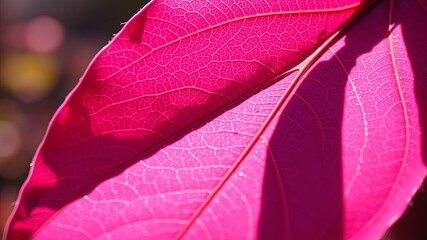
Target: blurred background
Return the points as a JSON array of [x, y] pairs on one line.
[[45, 46]]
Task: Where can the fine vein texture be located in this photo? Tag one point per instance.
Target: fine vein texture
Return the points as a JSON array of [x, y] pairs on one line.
[[174, 65], [337, 158]]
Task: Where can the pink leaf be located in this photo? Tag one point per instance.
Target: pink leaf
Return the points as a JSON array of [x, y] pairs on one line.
[[183, 127]]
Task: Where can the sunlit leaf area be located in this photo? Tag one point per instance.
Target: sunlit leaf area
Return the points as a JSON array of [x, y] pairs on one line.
[[223, 119]]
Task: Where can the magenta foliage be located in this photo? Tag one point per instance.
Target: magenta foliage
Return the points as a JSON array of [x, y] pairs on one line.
[[226, 120]]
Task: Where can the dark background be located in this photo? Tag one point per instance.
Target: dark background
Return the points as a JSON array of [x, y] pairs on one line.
[[45, 46]]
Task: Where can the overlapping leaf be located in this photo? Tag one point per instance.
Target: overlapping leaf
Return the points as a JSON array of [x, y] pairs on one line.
[[337, 158]]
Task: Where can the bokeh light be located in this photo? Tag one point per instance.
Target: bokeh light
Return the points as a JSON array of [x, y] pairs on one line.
[[10, 139], [29, 76], [44, 34]]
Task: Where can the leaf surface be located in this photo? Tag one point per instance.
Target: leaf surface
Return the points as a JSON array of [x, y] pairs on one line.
[[141, 149]]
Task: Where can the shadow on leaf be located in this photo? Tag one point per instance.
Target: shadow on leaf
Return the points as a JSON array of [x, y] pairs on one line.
[[303, 181]]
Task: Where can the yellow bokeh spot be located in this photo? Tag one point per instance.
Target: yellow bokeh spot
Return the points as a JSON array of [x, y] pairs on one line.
[[29, 76]]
